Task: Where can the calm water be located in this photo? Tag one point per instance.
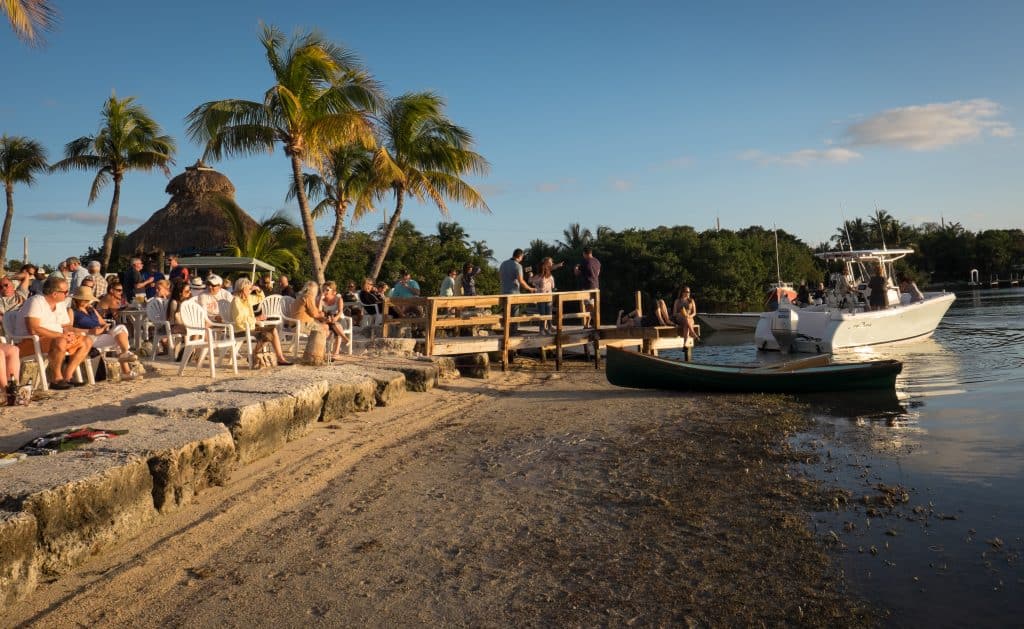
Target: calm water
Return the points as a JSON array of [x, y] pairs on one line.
[[953, 438]]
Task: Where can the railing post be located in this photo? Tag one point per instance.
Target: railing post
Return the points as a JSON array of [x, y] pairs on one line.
[[506, 309], [596, 332], [558, 332], [431, 319]]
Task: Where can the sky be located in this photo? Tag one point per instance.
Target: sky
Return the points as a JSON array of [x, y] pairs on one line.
[[795, 114]]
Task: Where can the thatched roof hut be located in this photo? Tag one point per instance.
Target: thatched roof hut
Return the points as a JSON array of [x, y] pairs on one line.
[[192, 221]]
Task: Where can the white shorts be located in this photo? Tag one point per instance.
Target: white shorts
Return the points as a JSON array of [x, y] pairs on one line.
[[107, 340]]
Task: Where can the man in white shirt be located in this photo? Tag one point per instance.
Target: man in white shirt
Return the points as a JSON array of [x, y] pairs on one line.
[[214, 294], [76, 273], [47, 317]]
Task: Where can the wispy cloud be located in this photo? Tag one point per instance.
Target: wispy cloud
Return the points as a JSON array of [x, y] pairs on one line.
[[85, 218], [931, 127], [622, 185], [555, 186], [803, 157]]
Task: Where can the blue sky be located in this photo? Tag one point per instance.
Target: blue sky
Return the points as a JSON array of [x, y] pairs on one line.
[[646, 114]]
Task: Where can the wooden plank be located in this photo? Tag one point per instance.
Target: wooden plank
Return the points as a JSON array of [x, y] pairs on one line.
[[450, 346], [558, 331], [471, 321]]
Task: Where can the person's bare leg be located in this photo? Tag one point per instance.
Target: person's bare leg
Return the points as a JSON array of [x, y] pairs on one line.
[[76, 359], [122, 341], [275, 342], [12, 358], [56, 357]]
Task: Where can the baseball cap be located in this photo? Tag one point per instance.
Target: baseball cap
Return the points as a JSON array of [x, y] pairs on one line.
[[215, 280]]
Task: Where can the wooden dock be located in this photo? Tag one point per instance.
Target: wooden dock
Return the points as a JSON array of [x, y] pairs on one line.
[[452, 326]]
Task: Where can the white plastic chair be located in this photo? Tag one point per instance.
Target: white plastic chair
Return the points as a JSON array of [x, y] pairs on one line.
[[273, 307], [14, 323], [346, 327], [156, 312], [297, 332], [207, 336]]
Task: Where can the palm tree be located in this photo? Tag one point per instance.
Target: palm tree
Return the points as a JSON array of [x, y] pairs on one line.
[[128, 139], [320, 99], [452, 232], [274, 240], [424, 155], [29, 18], [481, 250], [576, 238], [346, 177], [882, 222], [20, 160]]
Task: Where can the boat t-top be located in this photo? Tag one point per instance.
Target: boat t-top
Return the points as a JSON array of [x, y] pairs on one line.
[[844, 319]]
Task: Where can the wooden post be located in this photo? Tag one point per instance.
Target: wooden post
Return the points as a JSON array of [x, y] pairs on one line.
[[431, 319], [558, 332], [597, 328], [639, 306], [384, 317], [506, 309]]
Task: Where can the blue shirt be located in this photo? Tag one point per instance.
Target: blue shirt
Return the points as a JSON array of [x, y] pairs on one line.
[[87, 320], [510, 273], [403, 291]]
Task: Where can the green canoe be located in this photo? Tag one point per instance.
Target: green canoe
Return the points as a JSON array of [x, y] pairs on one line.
[[630, 369]]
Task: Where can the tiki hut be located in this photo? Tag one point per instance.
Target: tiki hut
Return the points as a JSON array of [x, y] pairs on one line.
[[192, 221]]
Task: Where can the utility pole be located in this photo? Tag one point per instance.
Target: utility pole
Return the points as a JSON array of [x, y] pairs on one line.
[[24, 254]]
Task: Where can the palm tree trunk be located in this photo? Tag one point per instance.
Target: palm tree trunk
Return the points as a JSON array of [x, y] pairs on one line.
[[108, 237], [7, 224], [339, 226], [389, 234], [307, 221]]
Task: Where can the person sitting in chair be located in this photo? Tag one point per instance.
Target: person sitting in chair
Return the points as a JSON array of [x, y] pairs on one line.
[[46, 316], [243, 318], [104, 335]]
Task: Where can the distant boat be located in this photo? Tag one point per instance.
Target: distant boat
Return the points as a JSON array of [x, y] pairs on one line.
[[626, 368], [843, 321]]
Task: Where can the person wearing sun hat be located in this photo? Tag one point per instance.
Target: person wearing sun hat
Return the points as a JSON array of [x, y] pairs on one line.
[[104, 334]]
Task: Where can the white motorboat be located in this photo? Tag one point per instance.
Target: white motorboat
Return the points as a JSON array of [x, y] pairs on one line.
[[843, 320], [730, 321]]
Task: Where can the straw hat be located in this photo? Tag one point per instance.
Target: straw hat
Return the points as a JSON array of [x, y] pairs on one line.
[[196, 282], [84, 293]]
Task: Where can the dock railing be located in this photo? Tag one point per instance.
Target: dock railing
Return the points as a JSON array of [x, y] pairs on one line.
[[497, 314]]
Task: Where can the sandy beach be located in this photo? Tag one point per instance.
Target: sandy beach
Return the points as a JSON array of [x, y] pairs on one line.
[[532, 498]]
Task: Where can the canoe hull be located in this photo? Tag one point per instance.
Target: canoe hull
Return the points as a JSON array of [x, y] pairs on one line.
[[631, 369]]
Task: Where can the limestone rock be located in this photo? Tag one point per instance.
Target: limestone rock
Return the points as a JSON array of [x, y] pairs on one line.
[[82, 502], [474, 365], [302, 383], [387, 384], [184, 457], [19, 559], [260, 423]]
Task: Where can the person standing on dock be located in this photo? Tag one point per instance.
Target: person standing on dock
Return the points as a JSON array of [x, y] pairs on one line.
[[511, 274], [589, 272]]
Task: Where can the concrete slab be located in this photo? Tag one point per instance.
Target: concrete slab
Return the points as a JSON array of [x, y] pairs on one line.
[[19, 558], [82, 502], [260, 423], [349, 390], [387, 385], [302, 383], [184, 456]]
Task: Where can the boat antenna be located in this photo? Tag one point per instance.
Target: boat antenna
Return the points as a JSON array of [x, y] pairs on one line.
[[846, 228]]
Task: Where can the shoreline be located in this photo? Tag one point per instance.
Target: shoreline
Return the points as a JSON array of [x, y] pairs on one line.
[[535, 496]]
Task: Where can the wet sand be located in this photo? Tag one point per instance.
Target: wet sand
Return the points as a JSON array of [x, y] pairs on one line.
[[531, 498]]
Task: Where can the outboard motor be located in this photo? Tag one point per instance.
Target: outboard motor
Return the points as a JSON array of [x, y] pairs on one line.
[[785, 325]]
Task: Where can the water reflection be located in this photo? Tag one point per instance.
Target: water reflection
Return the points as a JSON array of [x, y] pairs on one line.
[[952, 435]]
